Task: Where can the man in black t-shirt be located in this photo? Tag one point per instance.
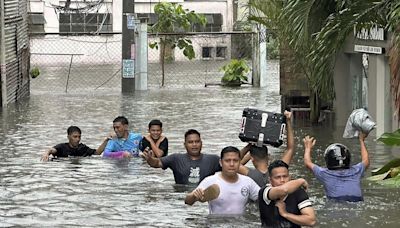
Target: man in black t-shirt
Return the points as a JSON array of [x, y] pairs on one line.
[[283, 203], [190, 167], [155, 141], [73, 147]]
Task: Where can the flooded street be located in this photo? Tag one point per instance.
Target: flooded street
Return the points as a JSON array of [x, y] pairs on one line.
[[94, 192]]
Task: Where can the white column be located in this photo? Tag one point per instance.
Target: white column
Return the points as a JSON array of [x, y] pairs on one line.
[[141, 57], [379, 75]]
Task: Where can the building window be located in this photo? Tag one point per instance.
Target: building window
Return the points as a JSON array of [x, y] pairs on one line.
[[214, 24], [91, 22], [221, 52], [152, 18], [206, 52], [36, 22]]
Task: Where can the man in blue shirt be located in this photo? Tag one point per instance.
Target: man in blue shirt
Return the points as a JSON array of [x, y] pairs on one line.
[[125, 144], [341, 181]]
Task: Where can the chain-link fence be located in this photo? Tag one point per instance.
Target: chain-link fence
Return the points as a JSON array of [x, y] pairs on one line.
[[213, 50], [74, 63]]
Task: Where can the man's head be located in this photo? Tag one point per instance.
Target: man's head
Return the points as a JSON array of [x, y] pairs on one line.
[[193, 143], [337, 156], [278, 173], [121, 126], [74, 136], [230, 160], [259, 154], [155, 129]]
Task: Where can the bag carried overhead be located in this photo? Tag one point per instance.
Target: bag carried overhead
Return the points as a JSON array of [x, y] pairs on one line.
[[359, 120], [262, 127]]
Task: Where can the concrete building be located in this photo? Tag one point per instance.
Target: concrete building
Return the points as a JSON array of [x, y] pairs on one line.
[[55, 16], [14, 51], [362, 79]]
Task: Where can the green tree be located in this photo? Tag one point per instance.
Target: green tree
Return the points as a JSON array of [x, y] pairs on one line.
[[172, 18]]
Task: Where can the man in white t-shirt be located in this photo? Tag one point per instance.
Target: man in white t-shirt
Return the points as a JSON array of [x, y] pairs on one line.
[[235, 189]]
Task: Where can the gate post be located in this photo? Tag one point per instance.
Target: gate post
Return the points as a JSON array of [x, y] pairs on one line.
[[141, 57]]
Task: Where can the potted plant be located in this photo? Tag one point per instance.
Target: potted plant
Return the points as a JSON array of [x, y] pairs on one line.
[[34, 72], [235, 72]]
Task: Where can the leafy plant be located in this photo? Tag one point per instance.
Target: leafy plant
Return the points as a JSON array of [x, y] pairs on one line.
[[389, 173], [34, 72], [235, 71], [391, 139], [172, 18]]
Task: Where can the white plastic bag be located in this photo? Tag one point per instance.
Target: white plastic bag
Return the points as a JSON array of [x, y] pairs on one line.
[[359, 120]]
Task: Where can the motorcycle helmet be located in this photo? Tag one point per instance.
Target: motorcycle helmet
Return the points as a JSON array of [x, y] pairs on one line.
[[337, 156]]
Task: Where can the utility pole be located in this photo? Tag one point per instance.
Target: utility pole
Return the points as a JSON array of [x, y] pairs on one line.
[[128, 46]]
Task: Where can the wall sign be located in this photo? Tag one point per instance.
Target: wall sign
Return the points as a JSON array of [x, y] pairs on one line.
[[374, 33], [369, 49], [130, 22], [128, 68]]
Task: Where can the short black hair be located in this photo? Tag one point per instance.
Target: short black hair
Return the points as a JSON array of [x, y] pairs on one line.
[[229, 149], [259, 153], [155, 123], [191, 132], [121, 119], [73, 129], [277, 164]]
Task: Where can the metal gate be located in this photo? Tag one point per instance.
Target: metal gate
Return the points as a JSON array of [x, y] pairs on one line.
[[14, 57]]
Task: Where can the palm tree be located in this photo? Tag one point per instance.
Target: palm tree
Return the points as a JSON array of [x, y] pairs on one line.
[[357, 14], [295, 24], [316, 31]]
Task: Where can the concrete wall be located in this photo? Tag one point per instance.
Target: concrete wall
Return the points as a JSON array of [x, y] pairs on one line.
[[346, 67]]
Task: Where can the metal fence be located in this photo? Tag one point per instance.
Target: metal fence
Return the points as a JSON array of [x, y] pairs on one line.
[[72, 63]]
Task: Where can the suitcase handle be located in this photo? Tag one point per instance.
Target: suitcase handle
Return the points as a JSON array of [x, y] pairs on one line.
[[260, 141], [264, 118], [283, 127], [243, 125]]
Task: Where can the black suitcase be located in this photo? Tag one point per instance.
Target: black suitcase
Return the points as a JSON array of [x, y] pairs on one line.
[[261, 127]]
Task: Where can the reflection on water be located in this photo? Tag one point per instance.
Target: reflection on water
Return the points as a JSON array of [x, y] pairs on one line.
[[94, 192]]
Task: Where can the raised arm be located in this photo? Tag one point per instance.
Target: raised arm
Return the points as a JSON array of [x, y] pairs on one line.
[[306, 218], [364, 151], [288, 155], [151, 160], [45, 156], [279, 192], [155, 146], [244, 154], [245, 157], [309, 143]]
